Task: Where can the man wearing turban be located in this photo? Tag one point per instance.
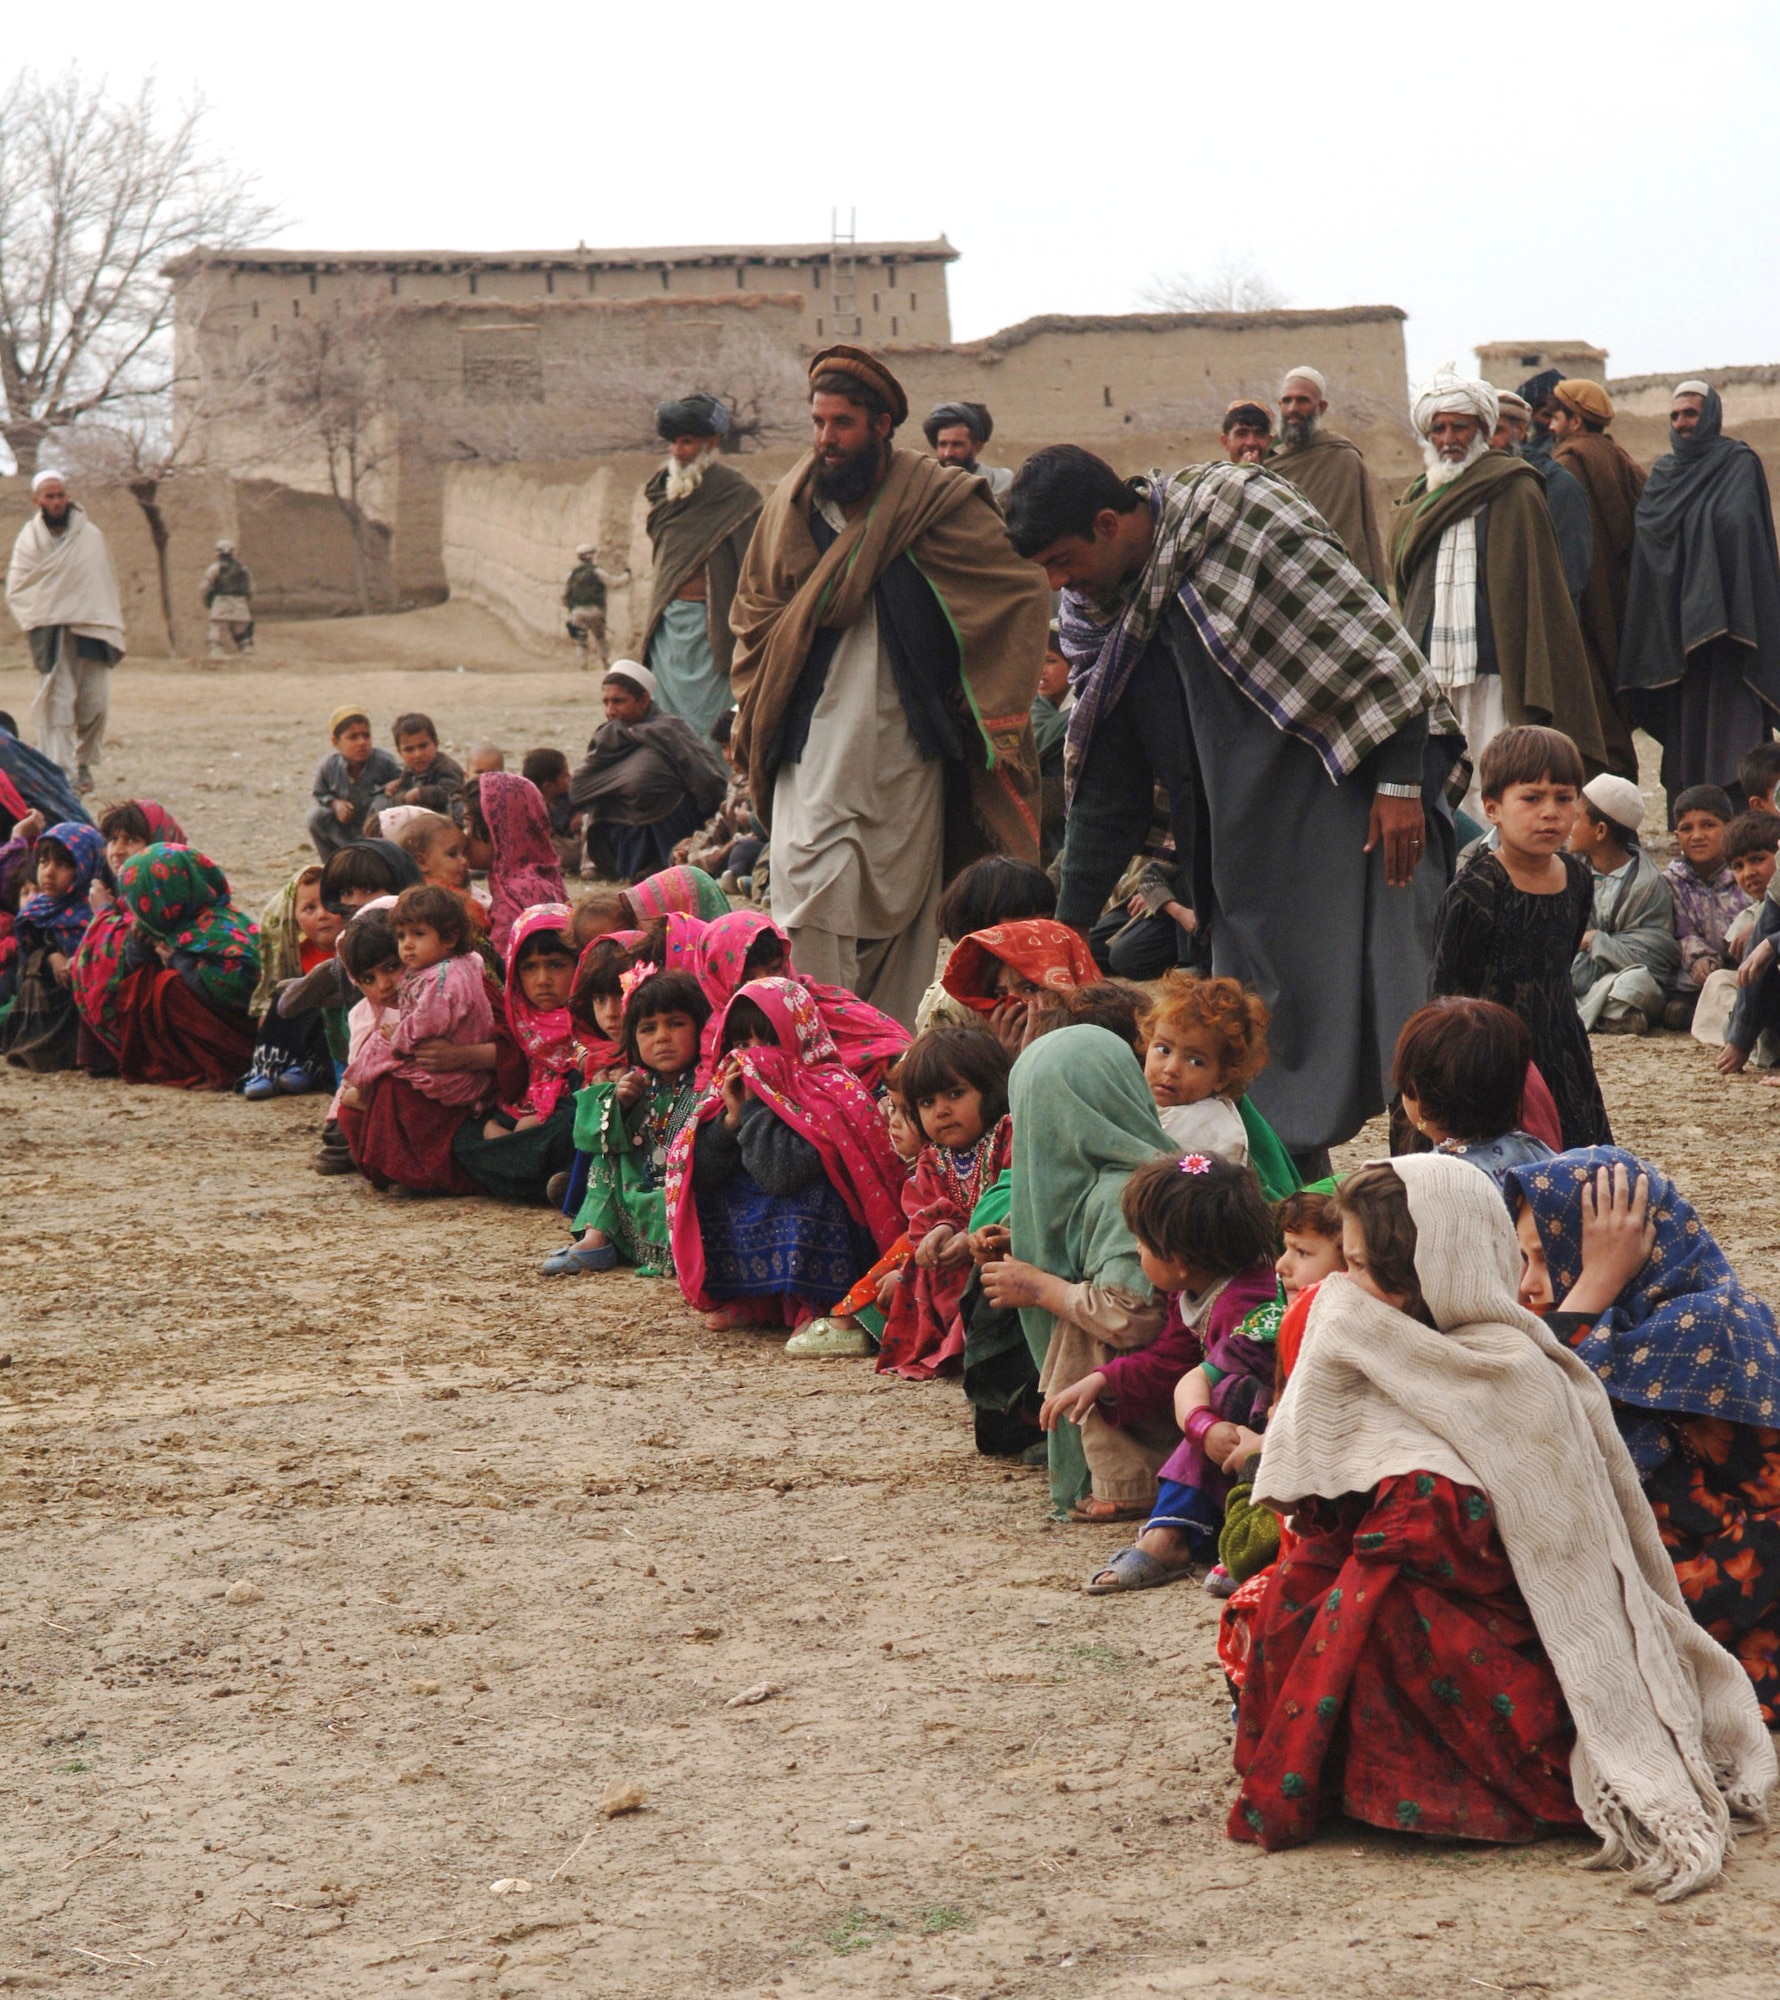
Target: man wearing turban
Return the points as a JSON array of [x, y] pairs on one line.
[[956, 433], [888, 649], [1699, 652], [701, 519], [1612, 482], [1328, 469], [1480, 580]]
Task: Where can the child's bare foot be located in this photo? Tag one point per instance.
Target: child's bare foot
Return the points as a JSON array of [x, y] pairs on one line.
[[726, 1319]]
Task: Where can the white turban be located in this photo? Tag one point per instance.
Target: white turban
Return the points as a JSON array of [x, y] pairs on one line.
[[639, 676], [1448, 393], [1311, 375], [43, 477]]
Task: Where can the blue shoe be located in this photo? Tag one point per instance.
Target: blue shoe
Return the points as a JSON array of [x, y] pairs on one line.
[[258, 1088], [571, 1261], [295, 1081]]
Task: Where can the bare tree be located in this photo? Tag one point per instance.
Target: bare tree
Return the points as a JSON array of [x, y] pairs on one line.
[[97, 194], [1234, 284], [328, 383]]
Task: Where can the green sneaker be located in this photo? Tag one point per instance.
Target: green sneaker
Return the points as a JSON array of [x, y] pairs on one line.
[[828, 1336]]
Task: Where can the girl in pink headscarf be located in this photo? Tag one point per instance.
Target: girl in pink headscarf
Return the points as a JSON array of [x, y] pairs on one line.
[[785, 1185], [508, 825], [746, 945]]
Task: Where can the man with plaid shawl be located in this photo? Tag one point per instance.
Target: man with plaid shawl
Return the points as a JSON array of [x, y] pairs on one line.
[[1223, 646]]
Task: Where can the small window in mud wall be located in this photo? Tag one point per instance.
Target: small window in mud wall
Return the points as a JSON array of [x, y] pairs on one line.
[[502, 364]]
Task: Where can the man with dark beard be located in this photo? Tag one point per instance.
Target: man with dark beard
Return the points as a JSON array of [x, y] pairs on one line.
[[1480, 581], [1699, 656], [1328, 469], [956, 433], [1611, 482], [701, 520], [888, 648]]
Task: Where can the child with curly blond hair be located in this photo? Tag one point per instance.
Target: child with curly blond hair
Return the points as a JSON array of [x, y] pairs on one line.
[[1206, 1043]]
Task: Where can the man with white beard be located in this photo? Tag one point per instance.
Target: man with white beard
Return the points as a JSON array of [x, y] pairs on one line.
[[1328, 469], [1480, 582], [701, 520]]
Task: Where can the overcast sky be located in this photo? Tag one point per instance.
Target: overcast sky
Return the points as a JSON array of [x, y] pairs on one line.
[[1587, 171]]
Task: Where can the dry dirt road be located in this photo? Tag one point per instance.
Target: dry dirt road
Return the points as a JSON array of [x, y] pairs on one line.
[[350, 1567]]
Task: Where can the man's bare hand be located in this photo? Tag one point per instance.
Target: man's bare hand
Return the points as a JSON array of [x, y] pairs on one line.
[[1398, 825]]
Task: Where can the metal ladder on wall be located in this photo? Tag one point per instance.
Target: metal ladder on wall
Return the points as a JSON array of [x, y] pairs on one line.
[[843, 275]]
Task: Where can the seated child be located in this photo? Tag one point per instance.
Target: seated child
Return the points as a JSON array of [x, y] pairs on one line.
[[1461, 1070], [526, 1146], [425, 766], [955, 1082], [1309, 1225], [1707, 899], [1629, 959], [1753, 990], [690, 891], [297, 933], [1085, 1122], [443, 996], [785, 1184], [373, 970], [1011, 970], [1201, 1389], [1758, 773], [508, 833], [998, 889], [549, 771], [1207, 1043], [627, 1123], [857, 1323], [484, 758], [42, 1032], [352, 778], [99, 966]]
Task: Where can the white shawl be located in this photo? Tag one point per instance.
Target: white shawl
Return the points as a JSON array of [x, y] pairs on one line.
[[65, 579], [1669, 1738]]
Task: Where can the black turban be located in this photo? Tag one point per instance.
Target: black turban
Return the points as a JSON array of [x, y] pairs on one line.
[[974, 416], [1538, 390], [692, 416]]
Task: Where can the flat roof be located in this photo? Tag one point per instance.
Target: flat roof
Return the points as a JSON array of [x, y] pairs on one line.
[[267, 258], [1282, 317]]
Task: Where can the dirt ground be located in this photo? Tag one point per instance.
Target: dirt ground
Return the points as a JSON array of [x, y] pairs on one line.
[[351, 1567]]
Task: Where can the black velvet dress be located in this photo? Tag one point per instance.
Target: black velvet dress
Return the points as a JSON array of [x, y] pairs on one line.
[[1497, 942]]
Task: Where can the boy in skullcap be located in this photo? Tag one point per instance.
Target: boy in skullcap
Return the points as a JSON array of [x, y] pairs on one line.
[[1630, 959], [349, 782]]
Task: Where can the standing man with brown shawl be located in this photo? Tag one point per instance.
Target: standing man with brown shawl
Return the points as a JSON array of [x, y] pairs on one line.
[[1480, 580], [701, 520], [888, 648], [1329, 470], [1614, 483]]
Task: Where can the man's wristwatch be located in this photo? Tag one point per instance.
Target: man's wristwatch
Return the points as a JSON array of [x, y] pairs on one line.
[[1396, 791]]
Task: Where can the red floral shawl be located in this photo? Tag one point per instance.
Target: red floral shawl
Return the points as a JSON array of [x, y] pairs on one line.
[[1050, 955], [866, 1040], [98, 967], [545, 1035], [802, 1082], [525, 869]]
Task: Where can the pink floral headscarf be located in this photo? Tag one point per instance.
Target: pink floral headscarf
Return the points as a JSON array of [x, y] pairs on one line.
[[866, 1040], [525, 869], [803, 1083], [545, 1035]]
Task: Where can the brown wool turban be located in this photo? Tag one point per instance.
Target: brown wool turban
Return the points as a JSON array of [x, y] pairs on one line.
[[1583, 398], [867, 370]]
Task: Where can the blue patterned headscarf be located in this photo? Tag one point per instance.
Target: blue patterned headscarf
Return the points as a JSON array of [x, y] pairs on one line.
[[63, 919], [1683, 1335]]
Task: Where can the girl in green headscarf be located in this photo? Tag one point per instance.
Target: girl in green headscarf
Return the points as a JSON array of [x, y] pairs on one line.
[[193, 962], [1084, 1121]]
